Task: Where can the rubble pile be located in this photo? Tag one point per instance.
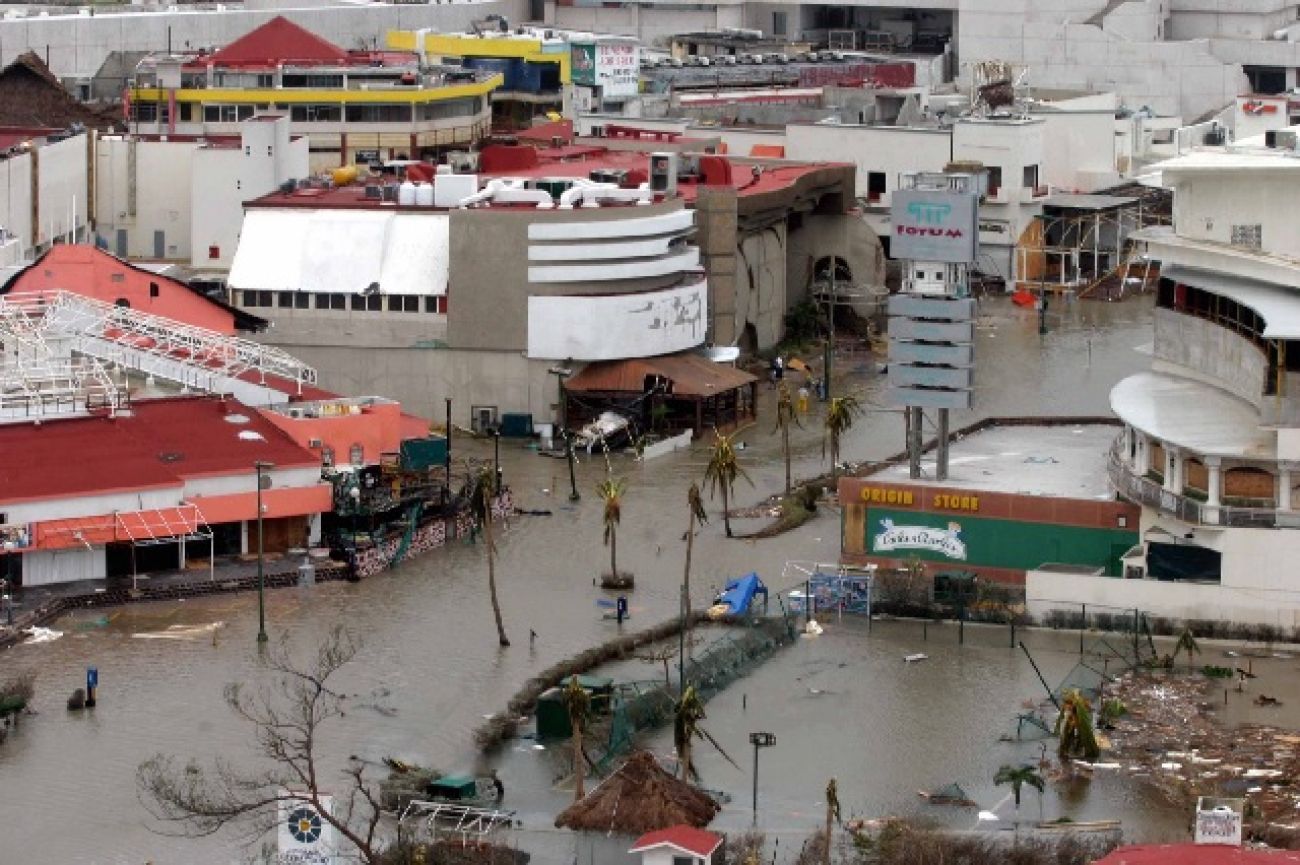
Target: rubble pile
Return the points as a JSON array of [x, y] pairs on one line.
[[1170, 736]]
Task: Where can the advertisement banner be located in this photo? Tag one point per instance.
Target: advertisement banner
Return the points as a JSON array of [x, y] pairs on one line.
[[931, 225], [618, 68], [1218, 821], [946, 541], [583, 58]]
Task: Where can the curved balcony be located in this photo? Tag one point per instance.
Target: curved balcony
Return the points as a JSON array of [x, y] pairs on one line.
[[1187, 507]]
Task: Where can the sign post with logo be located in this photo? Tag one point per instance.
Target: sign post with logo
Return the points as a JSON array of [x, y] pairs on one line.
[[1218, 821], [304, 836], [934, 231]]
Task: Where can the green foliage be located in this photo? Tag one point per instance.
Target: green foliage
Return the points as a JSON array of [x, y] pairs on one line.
[[803, 322], [1112, 709], [1216, 672], [1018, 777], [1074, 727]]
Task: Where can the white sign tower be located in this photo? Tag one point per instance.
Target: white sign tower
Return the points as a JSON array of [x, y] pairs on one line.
[[935, 233]]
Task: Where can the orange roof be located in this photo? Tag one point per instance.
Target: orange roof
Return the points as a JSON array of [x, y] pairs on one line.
[[689, 374]]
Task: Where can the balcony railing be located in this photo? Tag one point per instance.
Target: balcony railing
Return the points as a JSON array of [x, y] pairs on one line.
[[1147, 492]]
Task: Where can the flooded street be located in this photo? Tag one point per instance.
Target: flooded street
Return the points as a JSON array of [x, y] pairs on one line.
[[430, 668]]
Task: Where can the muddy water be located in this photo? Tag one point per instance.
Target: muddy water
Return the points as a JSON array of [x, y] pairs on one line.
[[430, 667]]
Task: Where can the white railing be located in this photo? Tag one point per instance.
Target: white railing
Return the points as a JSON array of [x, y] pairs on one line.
[[1145, 491]]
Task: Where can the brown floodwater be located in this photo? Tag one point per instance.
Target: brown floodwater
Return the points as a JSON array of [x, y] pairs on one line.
[[842, 705]]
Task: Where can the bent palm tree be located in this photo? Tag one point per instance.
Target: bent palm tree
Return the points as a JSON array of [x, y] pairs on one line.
[[832, 813], [785, 416], [1074, 727], [695, 507], [840, 415], [611, 492], [687, 716], [481, 505], [1187, 643], [722, 471], [1018, 777], [577, 702]]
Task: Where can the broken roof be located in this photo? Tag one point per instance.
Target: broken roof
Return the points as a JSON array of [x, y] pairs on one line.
[[690, 375]]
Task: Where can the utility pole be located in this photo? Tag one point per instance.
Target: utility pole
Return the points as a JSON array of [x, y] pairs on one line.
[[261, 466]]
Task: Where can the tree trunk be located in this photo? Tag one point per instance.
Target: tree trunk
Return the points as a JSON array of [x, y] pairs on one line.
[[726, 510], [826, 855], [579, 790], [686, 593], [835, 461], [785, 447], [684, 758], [613, 553], [492, 570]]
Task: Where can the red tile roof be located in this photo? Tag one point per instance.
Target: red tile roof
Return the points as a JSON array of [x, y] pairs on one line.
[[279, 41], [159, 444], [700, 842], [1197, 854]]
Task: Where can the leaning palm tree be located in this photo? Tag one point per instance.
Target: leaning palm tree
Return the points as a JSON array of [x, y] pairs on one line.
[[785, 416], [832, 813], [840, 415], [722, 471], [695, 508], [611, 492], [577, 702], [687, 715], [1018, 777], [1074, 727], [1187, 643], [481, 505]]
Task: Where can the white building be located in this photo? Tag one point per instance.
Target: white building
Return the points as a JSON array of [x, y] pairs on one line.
[[57, 168], [1212, 432], [183, 200]]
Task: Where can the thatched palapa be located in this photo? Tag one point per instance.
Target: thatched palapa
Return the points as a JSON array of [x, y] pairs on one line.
[[639, 797]]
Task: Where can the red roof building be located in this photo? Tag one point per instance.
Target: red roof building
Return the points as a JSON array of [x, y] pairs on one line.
[[665, 846], [278, 41], [1197, 854]]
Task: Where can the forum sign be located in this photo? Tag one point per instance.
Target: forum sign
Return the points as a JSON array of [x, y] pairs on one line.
[[934, 225]]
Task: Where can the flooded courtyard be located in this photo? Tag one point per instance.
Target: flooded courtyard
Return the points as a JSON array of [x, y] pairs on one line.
[[844, 704]]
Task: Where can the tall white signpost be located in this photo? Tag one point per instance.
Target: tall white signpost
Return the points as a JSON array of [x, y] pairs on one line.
[[935, 233], [303, 836]]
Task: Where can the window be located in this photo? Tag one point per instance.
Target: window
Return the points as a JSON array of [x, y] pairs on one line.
[[378, 113], [327, 456], [301, 300], [153, 289], [995, 180], [285, 300], [436, 304], [144, 112], [1248, 236], [226, 113], [1031, 177], [358, 302], [356, 454], [316, 113], [214, 252], [875, 185], [375, 303], [322, 301], [338, 301], [450, 108], [122, 302], [317, 80], [778, 23]]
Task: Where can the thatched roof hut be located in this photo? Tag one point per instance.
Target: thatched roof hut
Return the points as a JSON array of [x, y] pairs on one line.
[[637, 798]]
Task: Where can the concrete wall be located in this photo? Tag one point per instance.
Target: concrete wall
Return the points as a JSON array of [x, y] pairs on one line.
[[1046, 591], [1207, 205], [77, 45], [162, 176], [653, 26], [63, 566], [63, 188], [1217, 355], [1079, 151], [888, 149], [760, 290], [16, 199]]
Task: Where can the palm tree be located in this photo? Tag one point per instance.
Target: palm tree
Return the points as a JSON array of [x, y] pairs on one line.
[[695, 507], [611, 492], [839, 420], [785, 416], [1074, 727], [577, 702], [832, 812], [686, 727], [722, 471], [1187, 643], [1017, 777], [481, 505]]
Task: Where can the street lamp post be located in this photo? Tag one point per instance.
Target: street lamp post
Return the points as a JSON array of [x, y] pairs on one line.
[[759, 740], [561, 373], [261, 466]]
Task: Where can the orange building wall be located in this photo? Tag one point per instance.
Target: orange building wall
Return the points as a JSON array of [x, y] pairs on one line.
[[378, 429], [93, 273]]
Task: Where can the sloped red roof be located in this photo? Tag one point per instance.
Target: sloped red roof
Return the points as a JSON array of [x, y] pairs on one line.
[[279, 41], [690, 374], [1197, 854], [700, 842], [159, 444]]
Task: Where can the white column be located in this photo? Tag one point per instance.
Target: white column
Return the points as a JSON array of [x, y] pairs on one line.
[[1214, 483], [1142, 456], [1284, 486], [1173, 469]]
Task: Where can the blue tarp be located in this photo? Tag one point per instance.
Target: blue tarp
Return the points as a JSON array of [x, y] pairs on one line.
[[739, 593]]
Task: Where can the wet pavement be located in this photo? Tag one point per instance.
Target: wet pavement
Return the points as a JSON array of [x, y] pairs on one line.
[[431, 669]]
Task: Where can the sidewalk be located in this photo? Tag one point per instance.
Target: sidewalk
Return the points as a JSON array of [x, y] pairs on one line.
[[39, 605]]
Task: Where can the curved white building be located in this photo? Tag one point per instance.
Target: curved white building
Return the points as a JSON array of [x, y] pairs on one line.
[[1211, 444]]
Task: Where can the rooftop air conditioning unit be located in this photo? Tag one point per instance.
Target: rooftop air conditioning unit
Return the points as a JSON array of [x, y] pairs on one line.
[[313, 443]]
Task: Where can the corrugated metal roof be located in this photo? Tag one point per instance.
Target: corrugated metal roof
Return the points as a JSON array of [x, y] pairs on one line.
[[1196, 854], [690, 374], [1192, 415]]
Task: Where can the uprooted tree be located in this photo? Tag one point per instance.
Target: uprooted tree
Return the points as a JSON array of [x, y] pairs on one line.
[[286, 717]]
